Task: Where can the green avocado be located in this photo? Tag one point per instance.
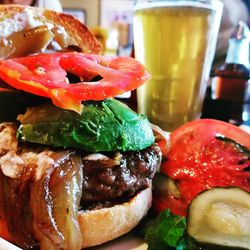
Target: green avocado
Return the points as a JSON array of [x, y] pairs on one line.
[[108, 125]]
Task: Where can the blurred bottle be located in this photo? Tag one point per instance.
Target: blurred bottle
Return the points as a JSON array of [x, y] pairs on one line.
[[229, 98]]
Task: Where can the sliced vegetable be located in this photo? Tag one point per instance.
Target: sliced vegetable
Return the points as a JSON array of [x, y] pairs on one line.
[[45, 75], [42, 204], [221, 216], [102, 126], [200, 157], [163, 184], [54, 203], [22, 43], [16, 210], [165, 231]]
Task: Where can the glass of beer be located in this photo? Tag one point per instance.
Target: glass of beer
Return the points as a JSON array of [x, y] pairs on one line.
[[176, 41]]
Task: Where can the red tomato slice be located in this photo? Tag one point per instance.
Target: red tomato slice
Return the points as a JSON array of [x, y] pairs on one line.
[[198, 160], [45, 75]]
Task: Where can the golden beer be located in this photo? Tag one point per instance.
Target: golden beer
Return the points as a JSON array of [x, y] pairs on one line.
[[176, 41]]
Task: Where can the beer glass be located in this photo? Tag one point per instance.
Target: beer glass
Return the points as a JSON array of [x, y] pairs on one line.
[[176, 41]]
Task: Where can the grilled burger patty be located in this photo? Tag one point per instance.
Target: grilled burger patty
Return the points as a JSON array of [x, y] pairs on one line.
[[106, 177]]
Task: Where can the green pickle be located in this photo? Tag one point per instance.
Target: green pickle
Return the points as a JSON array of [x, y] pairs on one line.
[[218, 218], [102, 126]]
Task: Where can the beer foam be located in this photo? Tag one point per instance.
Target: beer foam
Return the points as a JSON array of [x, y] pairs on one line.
[[182, 3]]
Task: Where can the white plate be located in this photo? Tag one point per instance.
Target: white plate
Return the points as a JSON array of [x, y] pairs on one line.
[[5, 245], [130, 241]]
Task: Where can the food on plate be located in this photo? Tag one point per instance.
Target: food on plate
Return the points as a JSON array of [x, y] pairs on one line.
[[165, 231], [203, 154], [221, 216], [205, 179], [76, 165]]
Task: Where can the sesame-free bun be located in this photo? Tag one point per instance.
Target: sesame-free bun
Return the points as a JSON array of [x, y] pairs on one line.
[[75, 33], [102, 225]]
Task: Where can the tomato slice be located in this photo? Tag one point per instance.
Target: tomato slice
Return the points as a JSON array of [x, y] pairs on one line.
[[204, 154], [46, 75]]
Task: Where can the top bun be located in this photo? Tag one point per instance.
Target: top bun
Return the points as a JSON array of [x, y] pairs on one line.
[[67, 30]]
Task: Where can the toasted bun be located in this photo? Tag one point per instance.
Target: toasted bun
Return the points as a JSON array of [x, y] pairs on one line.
[[75, 33], [102, 225]]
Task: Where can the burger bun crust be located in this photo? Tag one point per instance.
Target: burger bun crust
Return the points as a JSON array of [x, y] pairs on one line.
[[76, 33], [102, 225]]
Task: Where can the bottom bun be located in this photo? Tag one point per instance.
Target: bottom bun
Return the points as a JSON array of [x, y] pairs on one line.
[[102, 225]]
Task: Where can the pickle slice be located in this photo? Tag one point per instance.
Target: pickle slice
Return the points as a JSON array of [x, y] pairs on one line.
[[221, 216]]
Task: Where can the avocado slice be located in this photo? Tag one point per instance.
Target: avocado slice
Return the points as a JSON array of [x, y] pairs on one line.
[[108, 125]]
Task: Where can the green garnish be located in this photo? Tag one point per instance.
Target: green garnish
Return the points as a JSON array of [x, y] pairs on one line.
[[165, 231], [187, 243]]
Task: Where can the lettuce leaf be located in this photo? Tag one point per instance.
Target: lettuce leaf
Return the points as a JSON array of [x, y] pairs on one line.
[[165, 231]]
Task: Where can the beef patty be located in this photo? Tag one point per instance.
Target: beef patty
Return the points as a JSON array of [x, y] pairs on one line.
[[106, 177], [109, 178]]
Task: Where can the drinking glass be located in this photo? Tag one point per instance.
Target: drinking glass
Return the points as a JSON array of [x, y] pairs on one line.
[[176, 41]]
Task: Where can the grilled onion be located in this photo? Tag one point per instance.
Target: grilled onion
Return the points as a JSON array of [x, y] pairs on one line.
[[43, 204], [25, 42], [54, 202], [16, 211]]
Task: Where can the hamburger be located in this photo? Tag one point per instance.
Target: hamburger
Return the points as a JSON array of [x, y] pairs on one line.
[[76, 165]]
